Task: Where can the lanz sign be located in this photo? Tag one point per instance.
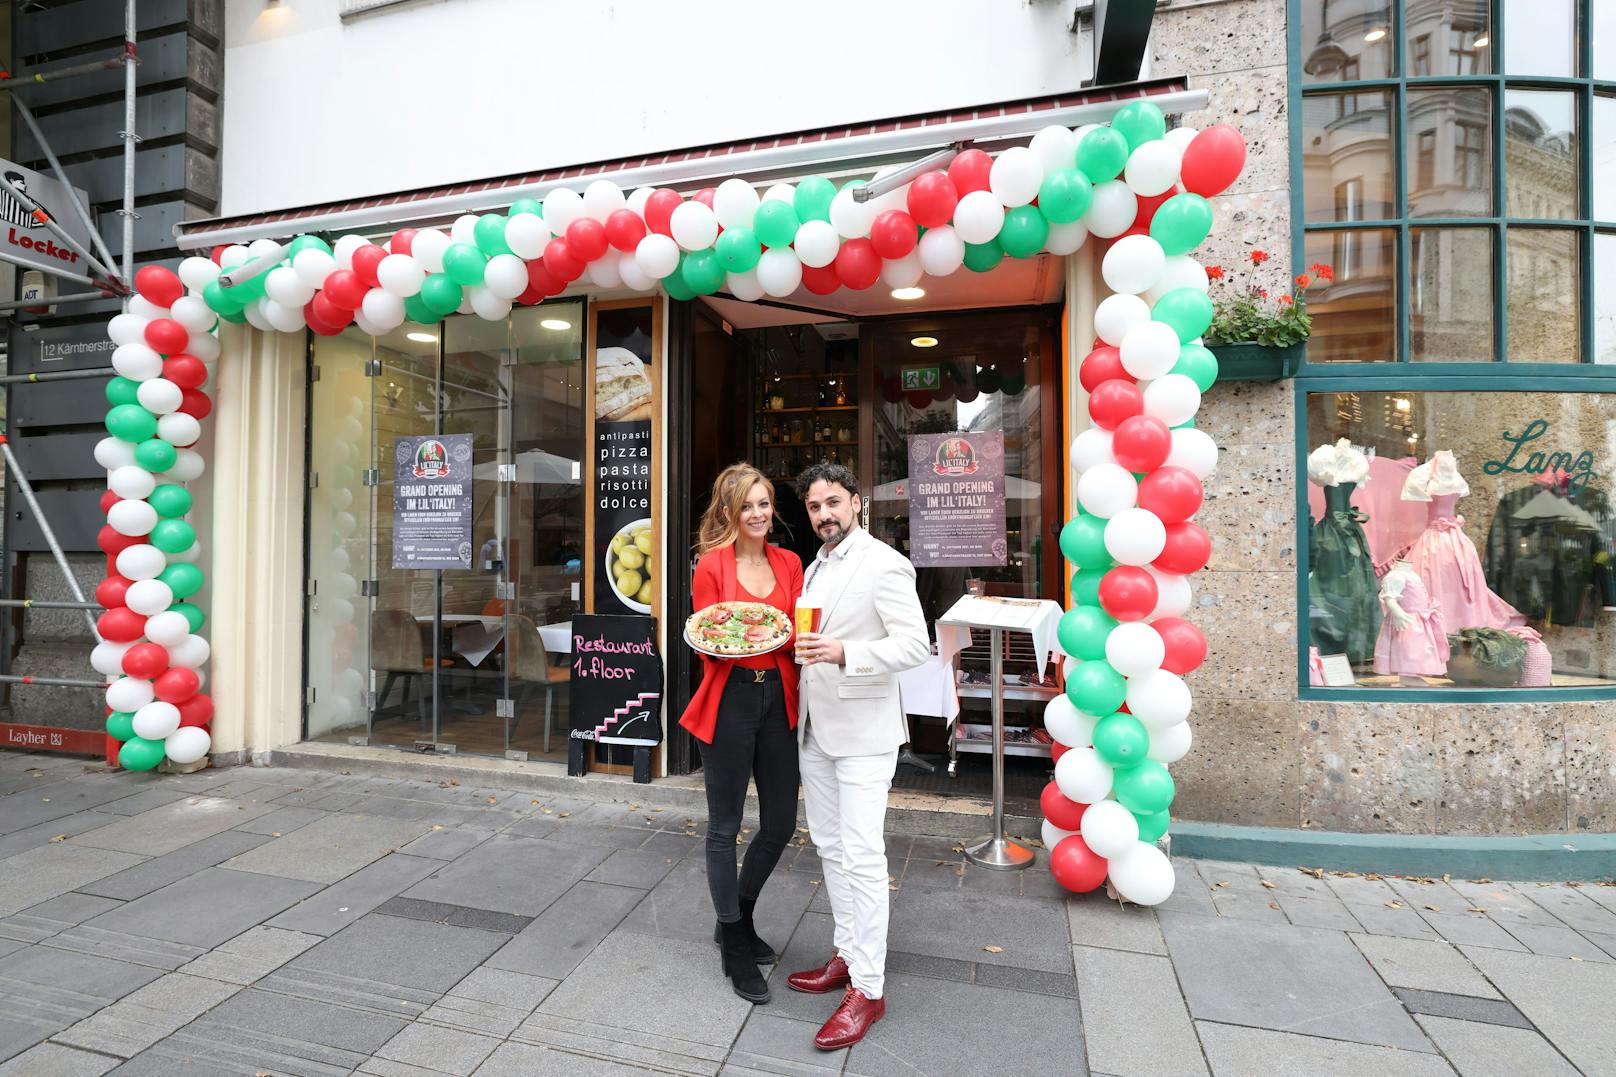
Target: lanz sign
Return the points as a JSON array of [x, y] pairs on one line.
[[25, 239], [1560, 465]]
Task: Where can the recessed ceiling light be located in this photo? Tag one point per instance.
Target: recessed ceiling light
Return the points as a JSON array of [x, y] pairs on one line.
[[923, 342], [1482, 42], [421, 338], [1402, 403], [555, 323], [1375, 35], [908, 293]]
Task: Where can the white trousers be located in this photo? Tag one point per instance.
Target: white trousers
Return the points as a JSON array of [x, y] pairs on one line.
[[846, 802]]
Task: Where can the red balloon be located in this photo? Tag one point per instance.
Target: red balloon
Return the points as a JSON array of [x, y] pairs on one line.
[[1076, 866], [112, 543], [1186, 644], [1173, 493], [329, 312], [1064, 813], [857, 264], [932, 198], [530, 295], [177, 685], [542, 281], [197, 404], [586, 239], [705, 196], [1056, 750], [402, 241], [344, 288], [1148, 205], [562, 262], [1141, 443], [1212, 160], [919, 399], [365, 261], [1188, 549], [198, 710], [893, 234], [166, 336], [217, 254], [121, 625], [625, 229], [1114, 400], [821, 280], [1101, 365], [159, 285], [1128, 593], [186, 371], [317, 323], [1134, 230], [108, 499], [969, 172], [892, 389], [659, 210], [110, 591], [147, 660]]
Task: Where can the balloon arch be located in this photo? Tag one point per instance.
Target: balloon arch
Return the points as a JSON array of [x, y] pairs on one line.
[[1138, 470]]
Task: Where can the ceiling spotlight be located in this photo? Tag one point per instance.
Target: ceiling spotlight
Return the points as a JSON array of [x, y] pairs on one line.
[[908, 293], [422, 338], [923, 342], [1375, 35], [557, 324], [1402, 403]]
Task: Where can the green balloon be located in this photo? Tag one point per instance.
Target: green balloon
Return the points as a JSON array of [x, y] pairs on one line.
[[1086, 585], [1197, 362], [138, 753], [306, 243], [440, 293], [1121, 739], [250, 289], [156, 455], [221, 300], [463, 264], [1152, 827], [192, 614], [1187, 310], [526, 205], [170, 500], [738, 250], [490, 235], [234, 317], [981, 257], [1095, 688], [122, 391], [702, 272], [1181, 223], [674, 284], [1144, 789], [416, 310], [1139, 122], [1064, 196], [776, 223], [121, 725], [1101, 154], [1082, 631], [1024, 233], [131, 422], [172, 536], [1082, 542], [812, 200], [183, 579]]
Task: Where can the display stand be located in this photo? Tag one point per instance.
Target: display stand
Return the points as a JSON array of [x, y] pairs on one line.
[[997, 615]]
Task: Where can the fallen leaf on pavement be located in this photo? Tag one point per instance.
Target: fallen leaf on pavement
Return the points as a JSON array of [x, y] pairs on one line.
[[1267, 885], [1472, 909], [1446, 877], [1274, 905], [1223, 884], [59, 837], [546, 811], [1317, 873], [1346, 874], [563, 815], [1394, 904], [275, 834], [532, 802], [1481, 880], [493, 800], [437, 826], [993, 949], [659, 809], [1434, 908]]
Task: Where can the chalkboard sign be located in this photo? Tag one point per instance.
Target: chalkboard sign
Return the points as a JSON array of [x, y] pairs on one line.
[[616, 692]]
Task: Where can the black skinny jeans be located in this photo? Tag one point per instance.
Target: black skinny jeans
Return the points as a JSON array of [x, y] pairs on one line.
[[753, 740]]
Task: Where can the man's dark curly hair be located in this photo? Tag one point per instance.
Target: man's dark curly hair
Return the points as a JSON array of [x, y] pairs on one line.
[[827, 472]]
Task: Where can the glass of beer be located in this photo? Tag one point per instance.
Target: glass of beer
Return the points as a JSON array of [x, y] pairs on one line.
[[807, 621]]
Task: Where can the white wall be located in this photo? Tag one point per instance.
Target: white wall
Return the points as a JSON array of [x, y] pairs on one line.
[[441, 91]]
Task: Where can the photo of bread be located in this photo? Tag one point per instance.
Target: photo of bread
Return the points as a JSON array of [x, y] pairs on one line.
[[622, 388]]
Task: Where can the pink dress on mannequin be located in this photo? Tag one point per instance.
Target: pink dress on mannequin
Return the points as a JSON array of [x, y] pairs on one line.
[[1422, 648], [1444, 557]]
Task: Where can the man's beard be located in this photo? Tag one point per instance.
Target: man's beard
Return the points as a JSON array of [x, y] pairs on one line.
[[838, 534]]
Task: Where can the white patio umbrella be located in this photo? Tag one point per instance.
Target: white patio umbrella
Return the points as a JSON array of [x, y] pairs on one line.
[[536, 466]]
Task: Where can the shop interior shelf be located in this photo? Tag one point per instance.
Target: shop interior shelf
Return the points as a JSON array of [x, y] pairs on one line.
[[802, 411], [970, 737], [1024, 693]]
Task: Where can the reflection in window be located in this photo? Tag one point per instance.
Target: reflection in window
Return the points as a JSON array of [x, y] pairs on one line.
[[1448, 38], [1540, 37], [1343, 42], [1451, 294], [1544, 321], [1459, 182], [1540, 153], [1354, 315], [1348, 141], [1605, 297]]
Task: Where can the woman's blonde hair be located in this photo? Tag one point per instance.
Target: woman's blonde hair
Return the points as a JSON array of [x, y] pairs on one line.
[[722, 520]]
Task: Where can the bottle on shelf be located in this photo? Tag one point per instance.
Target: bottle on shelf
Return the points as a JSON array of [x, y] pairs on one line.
[[841, 392]]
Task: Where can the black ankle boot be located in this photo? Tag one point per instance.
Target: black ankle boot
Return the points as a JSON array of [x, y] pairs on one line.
[[762, 952], [739, 966]]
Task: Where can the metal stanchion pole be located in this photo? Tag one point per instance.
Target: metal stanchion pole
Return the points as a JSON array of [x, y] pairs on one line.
[[16, 472], [995, 850]]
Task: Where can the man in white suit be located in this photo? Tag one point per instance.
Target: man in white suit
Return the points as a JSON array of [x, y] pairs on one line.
[[850, 729]]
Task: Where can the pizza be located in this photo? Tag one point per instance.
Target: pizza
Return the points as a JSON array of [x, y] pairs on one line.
[[737, 629]]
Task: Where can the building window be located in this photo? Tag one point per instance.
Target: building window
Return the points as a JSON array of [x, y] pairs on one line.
[[1419, 55]]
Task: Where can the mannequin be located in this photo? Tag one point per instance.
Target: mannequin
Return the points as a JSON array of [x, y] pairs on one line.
[[1342, 579], [1413, 641], [1444, 557]]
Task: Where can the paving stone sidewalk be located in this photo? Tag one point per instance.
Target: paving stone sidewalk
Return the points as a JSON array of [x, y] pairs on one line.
[[288, 922]]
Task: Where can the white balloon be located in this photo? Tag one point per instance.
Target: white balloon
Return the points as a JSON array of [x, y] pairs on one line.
[[1053, 835], [1083, 776], [254, 313], [1171, 744], [851, 219], [205, 346], [902, 272], [179, 429], [131, 693], [1091, 448], [779, 271], [283, 318], [131, 481], [137, 362], [1179, 271], [1135, 536], [464, 229], [343, 249], [941, 251], [781, 192], [1172, 594], [1158, 698], [1133, 264], [196, 272], [113, 453], [233, 256], [107, 657], [141, 561], [634, 278], [188, 466], [159, 396], [1055, 147], [1015, 176], [1181, 137], [187, 744], [133, 518], [657, 255], [734, 203], [745, 286], [817, 243], [465, 303], [562, 206], [978, 217], [141, 307], [488, 306], [526, 235], [189, 653], [1066, 724], [1142, 874], [602, 272], [286, 287], [1112, 210], [156, 720], [1117, 315], [1150, 350], [1152, 169], [1109, 829], [427, 249], [1172, 398], [1066, 238], [193, 312], [313, 266], [602, 198], [505, 276], [1195, 450], [1134, 648], [1107, 489], [168, 628], [639, 198], [386, 310], [128, 328], [694, 226]]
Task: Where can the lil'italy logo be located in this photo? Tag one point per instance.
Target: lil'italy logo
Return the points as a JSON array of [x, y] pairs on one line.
[[431, 460], [955, 457]]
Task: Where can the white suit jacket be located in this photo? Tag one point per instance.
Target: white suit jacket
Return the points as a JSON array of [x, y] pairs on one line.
[[872, 608]]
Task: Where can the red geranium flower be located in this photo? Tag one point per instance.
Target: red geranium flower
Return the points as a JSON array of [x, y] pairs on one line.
[[1303, 280], [1214, 272], [1259, 257], [1322, 271], [1285, 300]]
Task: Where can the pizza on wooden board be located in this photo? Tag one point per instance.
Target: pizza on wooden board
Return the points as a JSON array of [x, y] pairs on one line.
[[737, 629]]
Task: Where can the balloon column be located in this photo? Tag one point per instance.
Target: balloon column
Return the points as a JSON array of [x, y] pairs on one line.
[[1134, 542]]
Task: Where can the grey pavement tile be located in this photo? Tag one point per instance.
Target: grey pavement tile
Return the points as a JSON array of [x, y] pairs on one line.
[[680, 906], [931, 874], [1473, 929], [1326, 912], [447, 843], [514, 989], [938, 968], [159, 871], [444, 1050], [258, 1031], [1039, 883], [1557, 942], [1401, 922], [531, 1060], [1569, 1001], [405, 953], [1492, 1011], [1479, 1050], [1113, 989], [1420, 892], [54, 1060], [335, 907], [69, 909], [564, 934], [1294, 882], [205, 909], [1357, 890], [1505, 904], [1278, 976], [1605, 942], [599, 835], [959, 925], [329, 849], [162, 830], [51, 870], [282, 821], [53, 830], [508, 874], [252, 955], [143, 1017], [36, 805], [458, 915], [154, 797], [633, 867], [1058, 984], [679, 845], [1572, 905], [69, 985], [1261, 906], [774, 1044], [1190, 894], [1423, 965], [533, 826], [1233, 1051], [926, 847], [1096, 920]]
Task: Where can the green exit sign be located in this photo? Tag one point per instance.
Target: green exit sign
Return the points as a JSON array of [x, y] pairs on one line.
[[922, 377]]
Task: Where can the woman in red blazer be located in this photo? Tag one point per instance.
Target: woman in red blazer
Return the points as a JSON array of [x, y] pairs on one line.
[[744, 714]]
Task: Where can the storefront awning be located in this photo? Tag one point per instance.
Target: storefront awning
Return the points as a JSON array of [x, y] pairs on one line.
[[831, 151]]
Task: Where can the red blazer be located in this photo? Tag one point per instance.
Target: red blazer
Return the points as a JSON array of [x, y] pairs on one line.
[[715, 581]]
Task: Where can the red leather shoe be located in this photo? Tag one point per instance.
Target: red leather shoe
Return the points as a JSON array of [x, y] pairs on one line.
[[851, 1020], [823, 980]]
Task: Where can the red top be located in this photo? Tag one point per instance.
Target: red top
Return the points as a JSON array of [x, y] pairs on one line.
[[714, 581], [780, 601]]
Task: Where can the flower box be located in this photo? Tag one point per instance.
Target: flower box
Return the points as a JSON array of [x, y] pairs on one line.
[[1257, 362]]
